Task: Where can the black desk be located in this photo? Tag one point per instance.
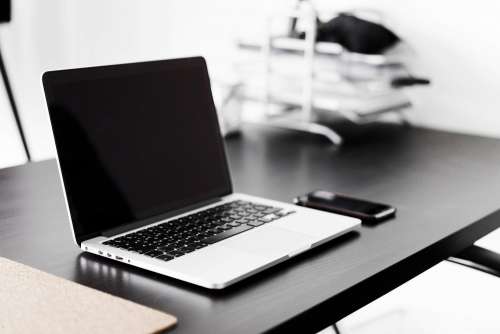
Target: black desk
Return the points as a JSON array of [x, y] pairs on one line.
[[441, 183]]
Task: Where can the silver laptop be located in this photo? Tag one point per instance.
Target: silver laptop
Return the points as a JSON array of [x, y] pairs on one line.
[[147, 182]]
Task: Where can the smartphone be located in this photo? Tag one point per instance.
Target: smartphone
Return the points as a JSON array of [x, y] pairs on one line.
[[344, 205]]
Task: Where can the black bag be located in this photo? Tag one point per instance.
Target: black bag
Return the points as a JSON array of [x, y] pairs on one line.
[[356, 35]]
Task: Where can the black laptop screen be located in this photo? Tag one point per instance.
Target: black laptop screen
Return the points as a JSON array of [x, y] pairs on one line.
[[135, 141]]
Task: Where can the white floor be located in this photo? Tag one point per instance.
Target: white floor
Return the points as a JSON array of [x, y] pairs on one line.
[[448, 298]]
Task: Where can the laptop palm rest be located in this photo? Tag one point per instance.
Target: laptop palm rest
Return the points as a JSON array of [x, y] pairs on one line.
[[242, 255], [270, 241]]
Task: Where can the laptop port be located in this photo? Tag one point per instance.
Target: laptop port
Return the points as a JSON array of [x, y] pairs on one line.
[[119, 258]]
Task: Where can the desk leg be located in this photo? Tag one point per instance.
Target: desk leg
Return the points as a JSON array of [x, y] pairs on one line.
[[479, 258], [333, 329]]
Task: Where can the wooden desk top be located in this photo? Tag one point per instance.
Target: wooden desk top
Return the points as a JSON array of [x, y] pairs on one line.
[[442, 184]]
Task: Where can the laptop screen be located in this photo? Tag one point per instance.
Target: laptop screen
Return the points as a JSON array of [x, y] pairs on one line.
[[135, 141]]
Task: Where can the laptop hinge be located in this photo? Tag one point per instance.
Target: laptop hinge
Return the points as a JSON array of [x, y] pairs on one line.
[[132, 226]]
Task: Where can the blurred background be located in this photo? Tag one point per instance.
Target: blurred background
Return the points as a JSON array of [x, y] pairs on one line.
[[452, 43]]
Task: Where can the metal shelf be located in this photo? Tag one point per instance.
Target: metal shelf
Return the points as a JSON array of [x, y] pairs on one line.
[[311, 79]]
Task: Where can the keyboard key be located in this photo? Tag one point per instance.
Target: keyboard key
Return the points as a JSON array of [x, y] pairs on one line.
[[187, 249], [268, 218], [256, 223], [176, 253], [166, 248], [154, 253], [165, 257], [271, 210], [227, 234]]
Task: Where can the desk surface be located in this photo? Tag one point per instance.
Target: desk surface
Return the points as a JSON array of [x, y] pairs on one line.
[[441, 183]]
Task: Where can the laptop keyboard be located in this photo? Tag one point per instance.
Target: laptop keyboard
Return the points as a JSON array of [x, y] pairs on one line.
[[177, 237]]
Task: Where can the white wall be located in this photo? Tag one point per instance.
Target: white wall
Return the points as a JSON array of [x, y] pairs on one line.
[[55, 34], [455, 42], [458, 46]]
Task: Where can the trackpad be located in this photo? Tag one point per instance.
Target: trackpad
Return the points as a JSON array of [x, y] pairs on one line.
[[269, 241]]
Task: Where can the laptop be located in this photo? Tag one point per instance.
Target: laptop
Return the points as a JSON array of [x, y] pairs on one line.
[[147, 182]]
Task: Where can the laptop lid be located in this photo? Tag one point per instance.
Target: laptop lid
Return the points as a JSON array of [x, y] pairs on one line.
[[135, 142]]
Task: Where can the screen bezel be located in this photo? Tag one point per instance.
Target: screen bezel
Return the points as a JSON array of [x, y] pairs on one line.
[[52, 78]]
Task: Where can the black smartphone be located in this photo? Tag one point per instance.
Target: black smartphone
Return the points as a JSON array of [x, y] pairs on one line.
[[345, 205]]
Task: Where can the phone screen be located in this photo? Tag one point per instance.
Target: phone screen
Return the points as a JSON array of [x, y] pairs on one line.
[[335, 202]]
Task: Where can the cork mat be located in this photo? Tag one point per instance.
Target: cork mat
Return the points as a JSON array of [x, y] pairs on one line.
[[36, 302]]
